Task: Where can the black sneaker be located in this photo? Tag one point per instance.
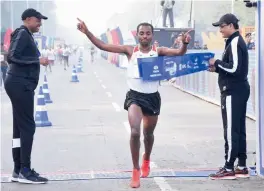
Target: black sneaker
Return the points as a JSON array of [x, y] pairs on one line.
[[14, 177], [31, 177], [223, 174], [244, 173]]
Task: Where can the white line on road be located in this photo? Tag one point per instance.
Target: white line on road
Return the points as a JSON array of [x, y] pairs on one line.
[[116, 106], [100, 80], [92, 174], [5, 108], [95, 73], [160, 181], [163, 184], [103, 86], [109, 94], [127, 126]]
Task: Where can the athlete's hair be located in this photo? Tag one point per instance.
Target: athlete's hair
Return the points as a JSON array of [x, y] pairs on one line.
[[145, 24]]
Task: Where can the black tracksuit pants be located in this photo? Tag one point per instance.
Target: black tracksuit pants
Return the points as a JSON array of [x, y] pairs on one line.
[[234, 107], [21, 94]]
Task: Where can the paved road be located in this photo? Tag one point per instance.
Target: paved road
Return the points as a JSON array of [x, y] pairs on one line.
[[90, 134]]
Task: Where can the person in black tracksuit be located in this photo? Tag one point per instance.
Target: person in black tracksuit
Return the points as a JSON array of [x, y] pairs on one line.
[[21, 81], [235, 91]]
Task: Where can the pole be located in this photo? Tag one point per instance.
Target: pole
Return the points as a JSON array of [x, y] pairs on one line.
[[232, 6], [37, 5], [193, 13], [11, 15], [190, 19], [259, 89], [43, 25], [27, 4]]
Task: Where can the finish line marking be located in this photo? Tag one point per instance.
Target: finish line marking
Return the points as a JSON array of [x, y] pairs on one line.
[[158, 174]]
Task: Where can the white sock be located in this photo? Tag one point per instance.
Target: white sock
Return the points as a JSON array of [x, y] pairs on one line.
[[241, 167], [228, 170]]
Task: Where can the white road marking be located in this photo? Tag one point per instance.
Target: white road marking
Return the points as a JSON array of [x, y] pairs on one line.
[[103, 86], [109, 94], [127, 126], [92, 174], [163, 184], [160, 181], [116, 106], [5, 108]]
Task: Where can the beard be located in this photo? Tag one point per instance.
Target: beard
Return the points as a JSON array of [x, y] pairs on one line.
[[145, 44]]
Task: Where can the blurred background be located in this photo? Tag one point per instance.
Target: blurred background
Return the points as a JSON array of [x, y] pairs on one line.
[[104, 15], [115, 22]]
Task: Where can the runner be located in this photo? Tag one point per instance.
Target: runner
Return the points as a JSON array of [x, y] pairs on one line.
[[143, 99], [92, 54], [44, 54], [51, 57]]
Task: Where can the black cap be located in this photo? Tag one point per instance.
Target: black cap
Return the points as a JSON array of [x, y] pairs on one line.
[[32, 13], [227, 19]]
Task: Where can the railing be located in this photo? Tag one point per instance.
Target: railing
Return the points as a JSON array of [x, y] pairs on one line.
[[205, 84]]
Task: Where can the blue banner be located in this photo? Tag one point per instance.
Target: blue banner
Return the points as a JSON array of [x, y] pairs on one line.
[[163, 67], [152, 68], [260, 87]]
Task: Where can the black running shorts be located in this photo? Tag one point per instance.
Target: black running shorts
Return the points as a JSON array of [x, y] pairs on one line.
[[149, 103]]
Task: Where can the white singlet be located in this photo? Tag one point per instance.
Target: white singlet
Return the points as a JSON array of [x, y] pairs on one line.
[[133, 79]]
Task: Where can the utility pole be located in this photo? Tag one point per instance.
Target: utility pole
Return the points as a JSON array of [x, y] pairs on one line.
[[37, 5], [11, 15], [42, 10], [232, 6]]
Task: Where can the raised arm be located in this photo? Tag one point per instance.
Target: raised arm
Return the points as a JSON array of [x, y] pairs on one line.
[[164, 51], [100, 44]]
